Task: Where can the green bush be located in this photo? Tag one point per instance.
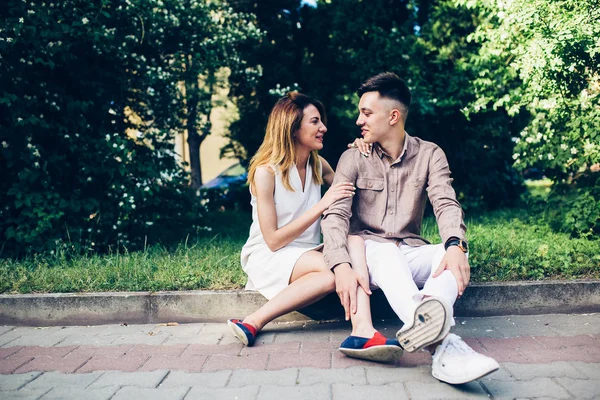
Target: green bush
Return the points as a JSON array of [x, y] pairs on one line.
[[573, 209], [71, 176]]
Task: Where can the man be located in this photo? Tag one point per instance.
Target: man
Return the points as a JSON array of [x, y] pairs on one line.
[[420, 281]]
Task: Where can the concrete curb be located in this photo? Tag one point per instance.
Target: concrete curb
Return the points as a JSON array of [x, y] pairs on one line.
[[541, 297]]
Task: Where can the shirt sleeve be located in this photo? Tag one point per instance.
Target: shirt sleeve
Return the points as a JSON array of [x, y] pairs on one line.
[[447, 210], [336, 219]]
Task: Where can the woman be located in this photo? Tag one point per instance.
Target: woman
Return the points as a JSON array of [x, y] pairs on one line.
[[282, 256]]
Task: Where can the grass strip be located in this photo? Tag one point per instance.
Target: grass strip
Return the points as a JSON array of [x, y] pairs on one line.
[[505, 245]]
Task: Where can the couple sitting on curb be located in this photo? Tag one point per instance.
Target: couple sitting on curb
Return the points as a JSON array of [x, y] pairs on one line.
[[372, 215]]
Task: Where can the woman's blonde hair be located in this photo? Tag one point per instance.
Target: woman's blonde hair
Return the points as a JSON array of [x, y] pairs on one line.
[[278, 147]]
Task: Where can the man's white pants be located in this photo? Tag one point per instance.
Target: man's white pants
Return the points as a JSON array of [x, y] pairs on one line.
[[404, 274]]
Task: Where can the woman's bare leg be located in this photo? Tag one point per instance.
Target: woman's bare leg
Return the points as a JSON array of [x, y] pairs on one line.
[[362, 324], [311, 280]]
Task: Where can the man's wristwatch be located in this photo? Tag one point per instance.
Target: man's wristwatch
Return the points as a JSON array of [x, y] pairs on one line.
[[454, 241]]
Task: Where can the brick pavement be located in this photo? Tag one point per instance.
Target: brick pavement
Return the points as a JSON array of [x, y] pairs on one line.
[[543, 356]]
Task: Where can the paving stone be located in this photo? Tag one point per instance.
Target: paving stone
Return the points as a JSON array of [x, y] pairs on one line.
[[509, 350], [313, 347], [580, 388], [138, 379], [245, 377], [81, 331], [353, 375], [147, 350], [39, 351], [53, 364], [10, 366], [23, 394], [475, 344], [173, 393], [56, 379], [150, 338], [182, 329], [125, 363], [128, 329], [78, 340], [383, 376], [579, 353], [302, 336], [341, 361], [219, 362], [573, 324], [415, 359], [280, 348], [207, 338], [587, 370], [215, 328], [206, 379], [37, 330], [190, 364], [8, 339], [408, 360], [65, 393], [558, 342], [503, 374], [105, 351], [438, 390], [265, 337], [478, 333], [314, 392], [527, 325], [282, 360], [187, 340], [245, 393], [203, 349], [344, 391], [477, 327], [228, 339], [538, 387], [7, 351], [15, 381], [5, 328], [38, 340], [525, 372]]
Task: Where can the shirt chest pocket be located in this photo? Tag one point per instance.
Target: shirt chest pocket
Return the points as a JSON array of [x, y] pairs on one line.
[[370, 192]]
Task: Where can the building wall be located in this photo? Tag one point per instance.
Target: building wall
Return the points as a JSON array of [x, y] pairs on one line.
[[221, 117]]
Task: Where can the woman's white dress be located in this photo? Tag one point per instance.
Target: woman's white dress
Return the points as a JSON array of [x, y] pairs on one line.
[[269, 272]]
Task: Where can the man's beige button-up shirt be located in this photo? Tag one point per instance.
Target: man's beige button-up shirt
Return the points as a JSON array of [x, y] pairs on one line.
[[390, 198]]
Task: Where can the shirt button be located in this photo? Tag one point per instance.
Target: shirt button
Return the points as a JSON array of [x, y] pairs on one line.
[[391, 212], [370, 184], [392, 189]]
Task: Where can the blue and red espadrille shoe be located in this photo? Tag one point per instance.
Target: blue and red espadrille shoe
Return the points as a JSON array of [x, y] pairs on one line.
[[246, 333], [378, 348]]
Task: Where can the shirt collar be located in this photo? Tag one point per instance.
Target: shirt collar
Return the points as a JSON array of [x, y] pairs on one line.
[[381, 153]]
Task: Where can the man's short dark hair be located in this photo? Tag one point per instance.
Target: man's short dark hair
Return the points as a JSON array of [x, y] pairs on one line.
[[389, 86]]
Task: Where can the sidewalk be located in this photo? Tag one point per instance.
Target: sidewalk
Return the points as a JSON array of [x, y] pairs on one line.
[[542, 356]]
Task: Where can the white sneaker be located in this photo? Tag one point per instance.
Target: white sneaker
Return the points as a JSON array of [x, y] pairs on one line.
[[455, 362], [431, 323]]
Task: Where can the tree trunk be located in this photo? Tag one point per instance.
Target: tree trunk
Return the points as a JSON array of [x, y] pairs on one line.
[[194, 141], [191, 94], [195, 138]]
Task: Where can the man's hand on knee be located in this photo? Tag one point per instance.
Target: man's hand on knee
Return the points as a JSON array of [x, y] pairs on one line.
[[346, 285], [456, 261]]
